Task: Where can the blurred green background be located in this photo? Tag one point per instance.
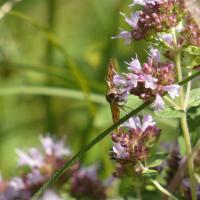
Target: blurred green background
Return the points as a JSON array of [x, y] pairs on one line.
[[62, 48], [53, 62]]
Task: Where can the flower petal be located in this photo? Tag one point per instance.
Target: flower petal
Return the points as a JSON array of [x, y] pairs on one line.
[[173, 90], [158, 104]]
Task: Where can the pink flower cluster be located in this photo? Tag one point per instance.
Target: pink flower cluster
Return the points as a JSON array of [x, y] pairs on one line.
[[85, 183], [155, 16], [134, 139], [191, 33], [149, 81], [41, 164]]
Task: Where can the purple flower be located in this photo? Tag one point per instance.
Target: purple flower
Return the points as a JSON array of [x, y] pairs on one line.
[[119, 151], [147, 121], [124, 35], [54, 148], [50, 195], [47, 143], [135, 66], [158, 104], [135, 123], [85, 184], [32, 159], [143, 2], [139, 75], [167, 37], [137, 2], [173, 90], [17, 183], [131, 81], [155, 55], [34, 177], [119, 81], [133, 21], [90, 172], [133, 140], [150, 82], [146, 81]]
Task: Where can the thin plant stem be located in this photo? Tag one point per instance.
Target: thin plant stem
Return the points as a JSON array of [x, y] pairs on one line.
[[189, 155], [158, 185], [180, 77], [48, 101], [187, 92], [163, 190], [167, 45], [169, 101], [138, 192], [185, 129]]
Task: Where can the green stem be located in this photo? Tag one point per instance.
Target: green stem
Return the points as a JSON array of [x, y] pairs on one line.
[[169, 101], [189, 155], [163, 190], [184, 125], [180, 77], [187, 92], [48, 101], [158, 185], [167, 45], [138, 192]]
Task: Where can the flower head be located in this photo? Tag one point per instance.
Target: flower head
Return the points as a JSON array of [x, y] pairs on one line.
[[134, 139], [148, 81], [155, 16], [86, 184]]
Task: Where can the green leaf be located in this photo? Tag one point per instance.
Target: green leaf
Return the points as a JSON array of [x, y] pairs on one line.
[[169, 113], [150, 188], [149, 173], [190, 61], [155, 163], [192, 50], [191, 56], [194, 99], [193, 117]]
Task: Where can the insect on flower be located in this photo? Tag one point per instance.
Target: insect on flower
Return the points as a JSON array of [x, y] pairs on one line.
[[112, 94]]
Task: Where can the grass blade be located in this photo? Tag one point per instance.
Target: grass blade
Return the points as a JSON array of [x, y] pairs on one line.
[[51, 91], [52, 38]]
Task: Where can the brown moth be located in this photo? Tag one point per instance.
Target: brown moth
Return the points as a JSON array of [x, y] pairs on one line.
[[111, 94]]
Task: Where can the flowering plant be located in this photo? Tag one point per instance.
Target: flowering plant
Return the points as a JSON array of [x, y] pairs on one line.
[[173, 37]]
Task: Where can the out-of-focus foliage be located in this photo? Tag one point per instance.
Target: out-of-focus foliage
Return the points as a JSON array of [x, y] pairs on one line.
[[28, 59]]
